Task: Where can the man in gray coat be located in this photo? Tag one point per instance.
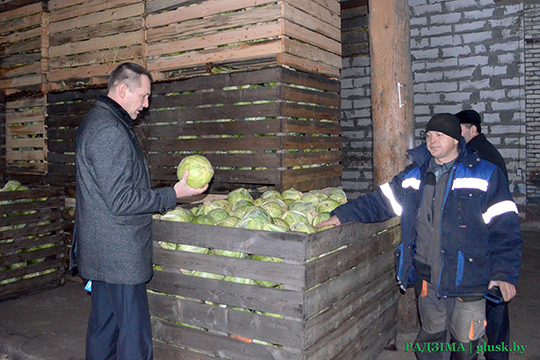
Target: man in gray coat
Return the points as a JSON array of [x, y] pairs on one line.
[[113, 222]]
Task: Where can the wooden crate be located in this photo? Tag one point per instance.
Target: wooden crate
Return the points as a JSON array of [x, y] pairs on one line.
[[23, 48], [66, 110], [88, 39], [336, 296], [189, 37], [273, 127], [31, 240], [25, 135]]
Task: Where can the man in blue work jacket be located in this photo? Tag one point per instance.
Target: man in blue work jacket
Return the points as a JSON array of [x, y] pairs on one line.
[[460, 237]]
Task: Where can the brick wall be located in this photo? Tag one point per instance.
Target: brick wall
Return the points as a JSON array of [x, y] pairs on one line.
[[532, 94], [356, 129], [465, 55]]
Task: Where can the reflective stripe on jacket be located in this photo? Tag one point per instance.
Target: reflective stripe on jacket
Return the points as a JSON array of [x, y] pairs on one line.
[[480, 232]]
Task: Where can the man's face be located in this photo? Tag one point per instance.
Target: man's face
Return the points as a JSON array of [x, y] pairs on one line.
[[442, 147], [135, 102]]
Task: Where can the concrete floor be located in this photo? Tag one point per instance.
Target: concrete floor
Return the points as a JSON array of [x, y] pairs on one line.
[[51, 325]]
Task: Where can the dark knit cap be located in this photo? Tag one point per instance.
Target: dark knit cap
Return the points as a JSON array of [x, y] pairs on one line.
[[446, 123], [470, 117]]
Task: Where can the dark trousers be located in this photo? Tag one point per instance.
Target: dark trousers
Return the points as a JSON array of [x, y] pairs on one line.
[[497, 329], [119, 325]]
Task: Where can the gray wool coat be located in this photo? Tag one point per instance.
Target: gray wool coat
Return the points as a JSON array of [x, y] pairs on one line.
[[114, 201]]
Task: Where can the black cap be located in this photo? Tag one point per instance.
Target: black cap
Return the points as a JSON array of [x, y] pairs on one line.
[[470, 117], [446, 123]]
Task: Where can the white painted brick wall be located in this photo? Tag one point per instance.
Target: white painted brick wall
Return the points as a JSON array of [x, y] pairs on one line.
[[465, 54]]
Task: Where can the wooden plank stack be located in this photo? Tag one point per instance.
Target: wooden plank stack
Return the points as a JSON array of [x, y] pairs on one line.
[[23, 42], [201, 36], [331, 294], [66, 111], [23, 48], [31, 240], [273, 127], [88, 39]]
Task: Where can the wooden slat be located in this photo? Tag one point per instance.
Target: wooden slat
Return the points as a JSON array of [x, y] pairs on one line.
[[65, 10], [255, 32], [275, 301], [21, 18], [228, 347], [227, 320], [239, 240], [124, 39], [244, 51], [206, 9], [279, 273]]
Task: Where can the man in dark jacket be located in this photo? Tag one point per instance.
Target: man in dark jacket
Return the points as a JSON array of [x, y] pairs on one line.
[[460, 237], [114, 206], [471, 130], [498, 320]]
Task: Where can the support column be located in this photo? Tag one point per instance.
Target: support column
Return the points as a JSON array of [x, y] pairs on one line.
[[391, 87], [392, 108]]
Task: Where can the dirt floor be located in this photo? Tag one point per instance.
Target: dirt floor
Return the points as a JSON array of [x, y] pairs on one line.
[[51, 325]]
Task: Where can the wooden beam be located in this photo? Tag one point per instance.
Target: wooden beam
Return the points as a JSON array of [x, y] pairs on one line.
[[392, 87]]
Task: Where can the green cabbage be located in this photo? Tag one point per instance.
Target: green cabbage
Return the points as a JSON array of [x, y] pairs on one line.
[[327, 205], [200, 170], [239, 194], [178, 214], [204, 220]]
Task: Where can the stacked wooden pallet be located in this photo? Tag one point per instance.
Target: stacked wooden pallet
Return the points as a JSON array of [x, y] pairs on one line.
[[23, 47], [197, 37], [88, 39]]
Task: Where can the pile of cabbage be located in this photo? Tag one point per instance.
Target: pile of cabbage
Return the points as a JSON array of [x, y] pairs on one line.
[[15, 185], [291, 210]]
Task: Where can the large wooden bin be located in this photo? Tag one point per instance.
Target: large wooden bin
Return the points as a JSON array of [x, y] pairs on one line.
[[274, 127], [335, 297], [31, 240]]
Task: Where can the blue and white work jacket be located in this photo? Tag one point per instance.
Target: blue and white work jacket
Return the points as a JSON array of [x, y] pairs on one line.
[[480, 236]]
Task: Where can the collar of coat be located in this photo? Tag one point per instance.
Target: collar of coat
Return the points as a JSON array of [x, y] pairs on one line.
[[119, 111], [468, 157]]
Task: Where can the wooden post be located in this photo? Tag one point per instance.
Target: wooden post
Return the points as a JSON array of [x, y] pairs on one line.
[[391, 87], [392, 108]]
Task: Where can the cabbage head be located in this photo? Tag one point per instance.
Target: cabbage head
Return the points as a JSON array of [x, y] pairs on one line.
[[327, 205], [282, 223], [259, 215], [268, 226], [273, 208], [239, 194], [338, 195], [229, 221], [218, 214], [292, 194], [312, 198], [204, 220], [301, 206], [322, 216], [218, 204], [303, 227], [200, 170], [271, 194], [178, 214], [13, 185], [291, 217], [248, 223]]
